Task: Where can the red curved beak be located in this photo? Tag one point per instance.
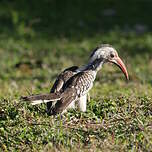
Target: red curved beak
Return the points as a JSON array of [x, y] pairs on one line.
[[121, 65]]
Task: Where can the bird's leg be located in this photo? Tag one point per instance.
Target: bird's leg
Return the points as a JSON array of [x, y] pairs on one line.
[[82, 103], [88, 97]]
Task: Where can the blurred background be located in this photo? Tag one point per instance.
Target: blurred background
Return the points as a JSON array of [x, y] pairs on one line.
[[40, 38]]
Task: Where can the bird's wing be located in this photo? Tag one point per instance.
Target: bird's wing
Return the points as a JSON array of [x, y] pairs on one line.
[[61, 79], [75, 87], [57, 86], [69, 96]]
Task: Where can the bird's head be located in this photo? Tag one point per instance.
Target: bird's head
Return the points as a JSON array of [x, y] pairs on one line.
[[106, 53]]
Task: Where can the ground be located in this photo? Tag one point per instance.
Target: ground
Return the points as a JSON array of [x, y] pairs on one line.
[[119, 114]]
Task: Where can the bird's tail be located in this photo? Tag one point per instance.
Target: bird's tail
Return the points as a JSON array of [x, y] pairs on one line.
[[42, 98]]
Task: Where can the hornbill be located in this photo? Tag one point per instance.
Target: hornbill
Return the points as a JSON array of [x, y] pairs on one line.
[[73, 84]]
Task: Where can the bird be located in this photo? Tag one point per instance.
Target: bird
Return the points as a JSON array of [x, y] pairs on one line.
[[74, 83]]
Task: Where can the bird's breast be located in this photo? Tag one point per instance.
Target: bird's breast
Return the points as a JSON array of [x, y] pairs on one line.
[[84, 83]]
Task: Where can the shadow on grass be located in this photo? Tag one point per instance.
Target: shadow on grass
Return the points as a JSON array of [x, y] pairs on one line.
[[124, 24]]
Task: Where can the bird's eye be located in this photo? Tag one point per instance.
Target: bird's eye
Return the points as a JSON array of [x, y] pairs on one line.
[[112, 55]]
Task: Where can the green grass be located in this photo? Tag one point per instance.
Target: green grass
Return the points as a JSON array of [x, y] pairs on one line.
[[119, 115]]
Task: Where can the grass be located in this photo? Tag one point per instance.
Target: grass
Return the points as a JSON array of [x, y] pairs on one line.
[[119, 115]]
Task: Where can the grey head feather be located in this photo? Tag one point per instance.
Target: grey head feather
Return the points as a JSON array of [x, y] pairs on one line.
[[100, 46]]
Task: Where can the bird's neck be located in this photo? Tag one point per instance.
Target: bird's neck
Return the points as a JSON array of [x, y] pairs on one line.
[[95, 65]]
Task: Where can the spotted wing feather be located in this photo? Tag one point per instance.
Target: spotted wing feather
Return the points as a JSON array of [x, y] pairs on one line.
[[62, 78]]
